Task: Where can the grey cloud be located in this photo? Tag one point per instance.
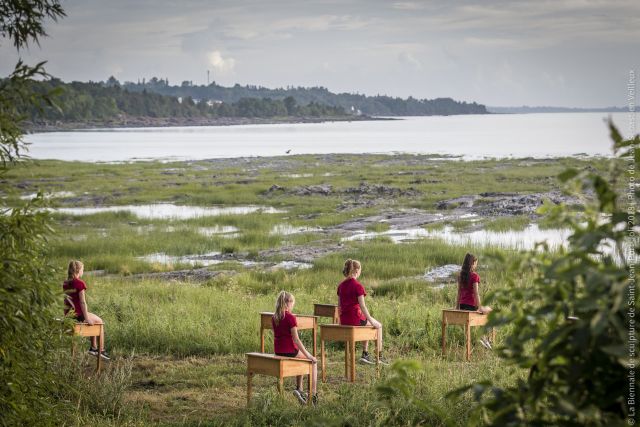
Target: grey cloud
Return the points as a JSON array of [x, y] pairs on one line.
[[565, 52]]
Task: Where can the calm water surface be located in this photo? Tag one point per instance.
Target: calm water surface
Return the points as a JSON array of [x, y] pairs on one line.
[[169, 211], [473, 136]]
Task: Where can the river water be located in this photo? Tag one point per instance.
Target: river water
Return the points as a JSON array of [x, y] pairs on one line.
[[471, 136]]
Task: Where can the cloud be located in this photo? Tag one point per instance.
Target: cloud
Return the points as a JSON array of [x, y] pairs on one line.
[[220, 64], [407, 5], [408, 59]]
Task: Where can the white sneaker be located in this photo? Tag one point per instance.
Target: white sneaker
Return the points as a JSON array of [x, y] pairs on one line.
[[485, 343], [367, 359], [383, 361], [300, 396]]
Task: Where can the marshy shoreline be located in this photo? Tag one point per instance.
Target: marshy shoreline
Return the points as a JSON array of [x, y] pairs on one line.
[[186, 254]]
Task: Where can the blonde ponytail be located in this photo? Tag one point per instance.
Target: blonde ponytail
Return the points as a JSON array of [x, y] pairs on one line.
[[283, 299], [350, 267], [74, 269]]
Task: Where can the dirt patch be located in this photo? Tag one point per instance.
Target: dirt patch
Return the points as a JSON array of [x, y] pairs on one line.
[[505, 204], [363, 190], [302, 253], [195, 275], [397, 220]]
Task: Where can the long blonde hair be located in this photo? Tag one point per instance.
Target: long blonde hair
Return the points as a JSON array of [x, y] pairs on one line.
[[350, 267], [74, 269], [284, 298]]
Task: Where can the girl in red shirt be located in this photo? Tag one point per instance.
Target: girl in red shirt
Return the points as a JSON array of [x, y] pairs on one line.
[[286, 342], [75, 303], [468, 296], [352, 308]]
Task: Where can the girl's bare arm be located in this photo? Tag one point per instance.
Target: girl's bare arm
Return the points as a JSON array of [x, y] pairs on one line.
[[363, 308], [301, 347], [84, 309]]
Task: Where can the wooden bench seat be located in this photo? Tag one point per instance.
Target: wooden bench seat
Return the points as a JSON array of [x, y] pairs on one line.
[[83, 329], [279, 367]]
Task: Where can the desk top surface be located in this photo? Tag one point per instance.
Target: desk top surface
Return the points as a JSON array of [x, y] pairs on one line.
[[276, 357], [268, 313], [336, 326], [452, 310]]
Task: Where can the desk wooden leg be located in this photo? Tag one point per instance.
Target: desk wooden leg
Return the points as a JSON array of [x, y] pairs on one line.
[[467, 334], [310, 390], [378, 357], [347, 358], [280, 385], [100, 348], [315, 345], [444, 335], [352, 362], [323, 366], [261, 340], [249, 378]]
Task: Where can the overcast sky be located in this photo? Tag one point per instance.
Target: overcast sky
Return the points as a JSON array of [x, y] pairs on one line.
[[501, 53]]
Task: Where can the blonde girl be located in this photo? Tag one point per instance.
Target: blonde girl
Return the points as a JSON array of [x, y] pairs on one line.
[[75, 303], [286, 342], [352, 308]]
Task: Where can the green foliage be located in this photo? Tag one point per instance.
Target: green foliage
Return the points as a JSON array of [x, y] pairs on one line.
[[21, 21], [27, 331], [570, 324], [26, 299], [108, 101], [372, 105], [399, 386]]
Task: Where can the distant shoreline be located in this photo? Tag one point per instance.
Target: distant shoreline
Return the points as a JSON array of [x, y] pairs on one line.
[[145, 122]]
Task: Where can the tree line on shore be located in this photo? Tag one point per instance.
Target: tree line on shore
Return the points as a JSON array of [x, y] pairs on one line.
[[80, 101], [379, 105]]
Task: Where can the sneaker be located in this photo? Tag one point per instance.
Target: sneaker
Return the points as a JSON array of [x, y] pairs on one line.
[[314, 400], [367, 359], [383, 360], [485, 343], [300, 396], [93, 351], [104, 355]]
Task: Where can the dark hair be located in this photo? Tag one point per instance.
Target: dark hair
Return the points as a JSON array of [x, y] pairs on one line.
[[465, 271]]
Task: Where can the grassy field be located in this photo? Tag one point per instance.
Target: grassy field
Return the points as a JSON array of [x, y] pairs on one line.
[[185, 342], [178, 346]]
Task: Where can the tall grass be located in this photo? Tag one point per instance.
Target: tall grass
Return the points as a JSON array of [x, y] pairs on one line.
[[179, 346], [221, 316]]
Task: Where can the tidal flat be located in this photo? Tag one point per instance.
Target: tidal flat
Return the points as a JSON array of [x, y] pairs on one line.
[[180, 294]]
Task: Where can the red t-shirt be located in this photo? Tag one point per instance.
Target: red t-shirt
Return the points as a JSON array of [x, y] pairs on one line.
[[466, 291], [282, 338], [72, 290], [348, 292]]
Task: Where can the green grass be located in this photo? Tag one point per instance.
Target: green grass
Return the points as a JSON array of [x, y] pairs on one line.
[[186, 343], [515, 223], [378, 227], [179, 347]]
